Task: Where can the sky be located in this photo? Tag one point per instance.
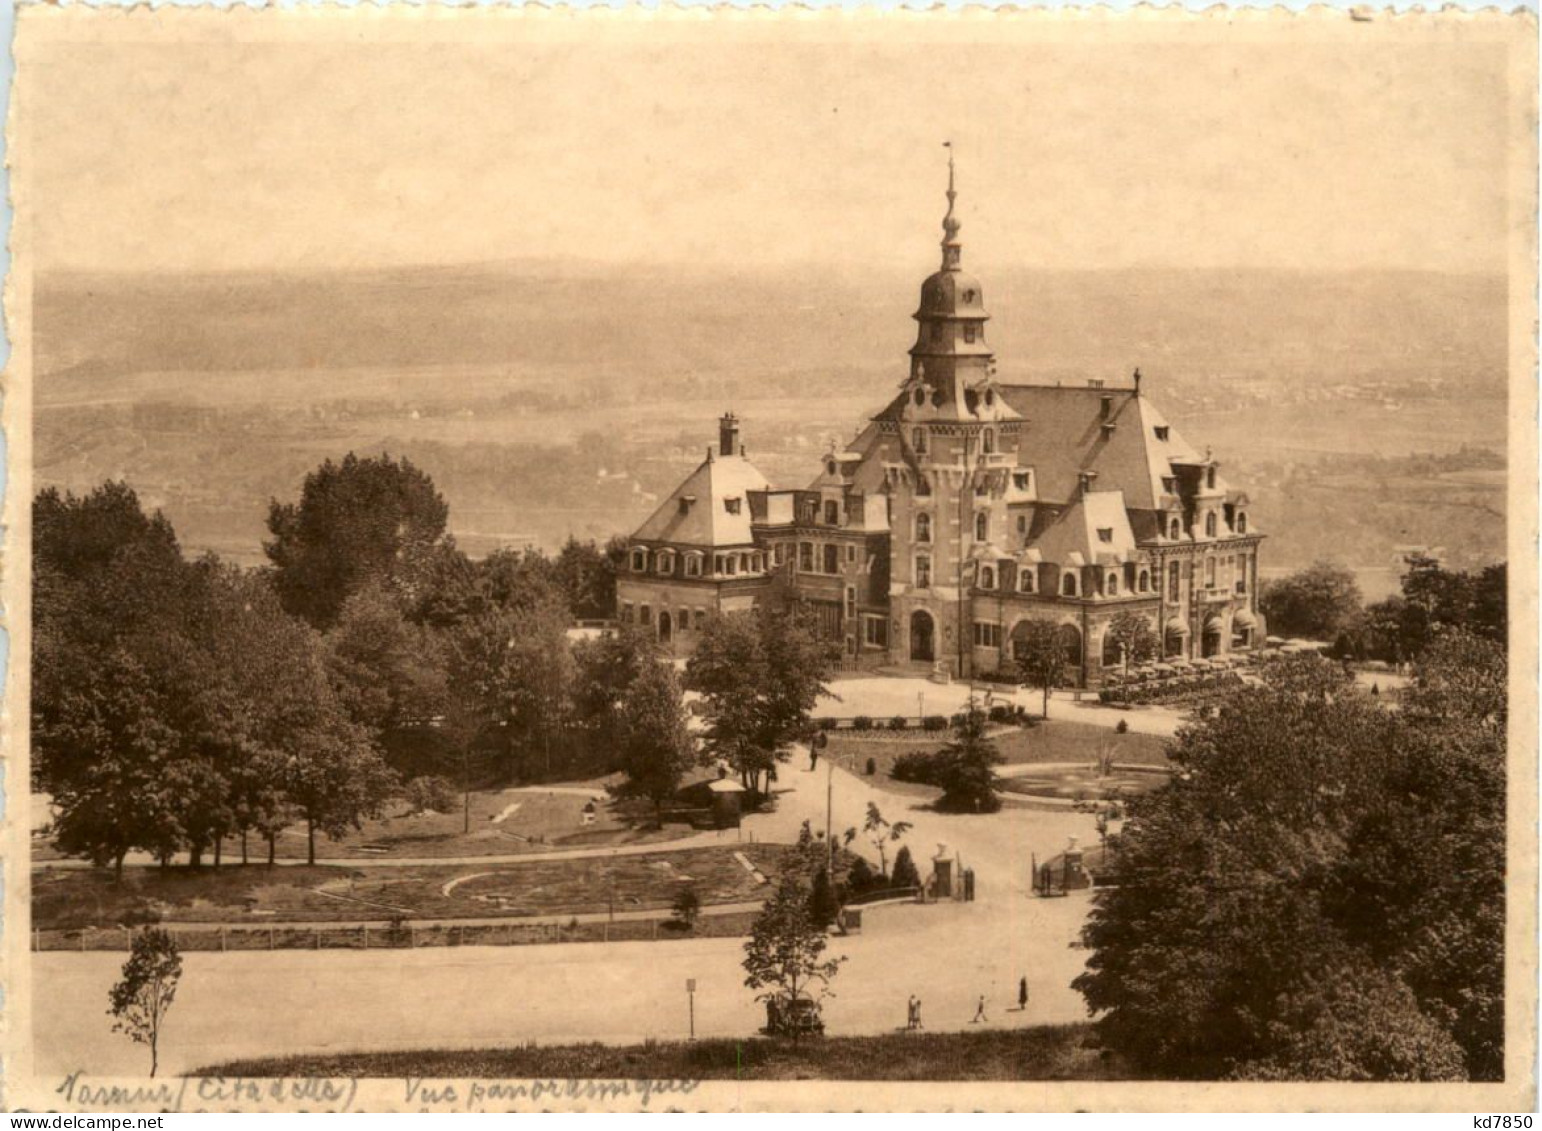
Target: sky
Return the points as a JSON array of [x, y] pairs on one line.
[[308, 150]]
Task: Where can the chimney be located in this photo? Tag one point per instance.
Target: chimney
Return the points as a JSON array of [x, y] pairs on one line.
[[1084, 481], [728, 434]]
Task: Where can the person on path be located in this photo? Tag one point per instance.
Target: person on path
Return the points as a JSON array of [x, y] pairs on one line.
[[1022, 994], [910, 1013], [918, 1013], [979, 1011], [813, 755]]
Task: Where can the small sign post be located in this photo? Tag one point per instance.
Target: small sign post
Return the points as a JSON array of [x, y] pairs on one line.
[[690, 992]]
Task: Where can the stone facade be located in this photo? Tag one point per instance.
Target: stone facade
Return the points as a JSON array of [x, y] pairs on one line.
[[965, 508]]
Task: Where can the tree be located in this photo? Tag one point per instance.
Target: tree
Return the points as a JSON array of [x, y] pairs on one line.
[[687, 907], [587, 576], [657, 748], [334, 777], [143, 995], [880, 834], [1131, 633], [759, 675], [906, 874], [964, 766], [1041, 656], [1318, 602], [431, 795], [359, 520], [822, 904], [1349, 926], [784, 957]]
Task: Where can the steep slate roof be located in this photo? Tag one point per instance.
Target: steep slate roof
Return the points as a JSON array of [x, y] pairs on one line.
[[1062, 436], [1076, 531], [708, 522]]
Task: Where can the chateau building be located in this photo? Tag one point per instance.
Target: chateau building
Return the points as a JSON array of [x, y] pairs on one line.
[[963, 510]]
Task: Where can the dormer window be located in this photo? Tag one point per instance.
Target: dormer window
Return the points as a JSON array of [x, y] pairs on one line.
[[639, 560], [1022, 480], [969, 332], [1025, 579], [685, 504], [1111, 585], [692, 565], [830, 467], [1106, 534], [987, 578], [920, 397], [1210, 525], [1170, 484], [968, 294], [1162, 431], [1068, 585], [1143, 582], [832, 512], [1210, 477], [665, 562], [1175, 531], [1242, 522]]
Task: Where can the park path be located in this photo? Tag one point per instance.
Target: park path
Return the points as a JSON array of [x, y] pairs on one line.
[[708, 910]]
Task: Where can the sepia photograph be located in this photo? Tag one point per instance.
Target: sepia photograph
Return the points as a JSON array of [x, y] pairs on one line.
[[780, 560]]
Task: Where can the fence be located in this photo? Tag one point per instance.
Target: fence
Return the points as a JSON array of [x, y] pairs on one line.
[[387, 936]]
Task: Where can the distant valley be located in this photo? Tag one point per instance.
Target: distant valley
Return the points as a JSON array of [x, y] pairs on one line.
[[1362, 412]]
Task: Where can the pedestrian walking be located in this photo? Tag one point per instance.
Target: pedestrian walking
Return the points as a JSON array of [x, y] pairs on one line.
[[979, 1011], [910, 1013], [813, 755], [918, 1013], [1022, 994]]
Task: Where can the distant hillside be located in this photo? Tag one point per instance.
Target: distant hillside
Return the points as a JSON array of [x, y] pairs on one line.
[[554, 400], [134, 335]]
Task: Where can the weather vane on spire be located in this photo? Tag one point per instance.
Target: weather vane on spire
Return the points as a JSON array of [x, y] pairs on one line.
[[950, 223]]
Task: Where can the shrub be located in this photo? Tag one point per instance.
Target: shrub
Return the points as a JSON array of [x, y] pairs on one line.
[[822, 904], [919, 766], [934, 722], [862, 722], [1000, 713], [687, 907], [860, 876], [432, 795], [906, 875], [872, 766], [1123, 727], [958, 719], [898, 722], [827, 723]]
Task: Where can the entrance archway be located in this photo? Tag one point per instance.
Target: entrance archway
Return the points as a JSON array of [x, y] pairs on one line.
[[923, 632], [666, 627], [1072, 639], [1210, 639]]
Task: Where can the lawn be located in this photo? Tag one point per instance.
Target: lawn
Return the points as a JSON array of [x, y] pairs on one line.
[[256, 894], [504, 822], [1052, 740], [1047, 1052]]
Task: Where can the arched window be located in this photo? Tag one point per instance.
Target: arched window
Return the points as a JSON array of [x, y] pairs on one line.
[[1175, 530], [1210, 525], [665, 563], [1111, 585], [923, 528], [1068, 584], [982, 526], [987, 577], [989, 442], [1242, 522], [920, 398], [1210, 478], [639, 560], [692, 565], [832, 512], [918, 440], [1209, 573], [1025, 579], [1143, 582]]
